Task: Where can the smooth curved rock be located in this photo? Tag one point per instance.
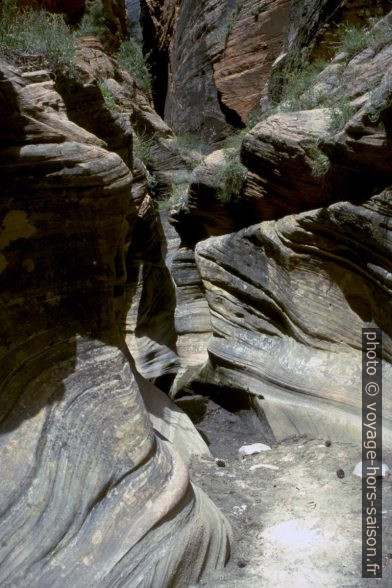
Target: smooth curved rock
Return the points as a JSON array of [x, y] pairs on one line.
[[150, 323], [288, 300], [91, 496]]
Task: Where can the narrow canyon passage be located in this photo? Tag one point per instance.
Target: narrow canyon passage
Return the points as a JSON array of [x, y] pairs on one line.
[[195, 250]]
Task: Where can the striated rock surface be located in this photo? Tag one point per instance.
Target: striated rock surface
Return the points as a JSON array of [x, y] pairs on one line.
[[197, 216], [219, 56], [254, 38], [91, 495], [149, 324], [150, 330], [288, 301], [288, 297]]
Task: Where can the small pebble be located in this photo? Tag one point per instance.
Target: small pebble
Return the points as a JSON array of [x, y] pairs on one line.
[[251, 449], [340, 473], [327, 443], [220, 463]]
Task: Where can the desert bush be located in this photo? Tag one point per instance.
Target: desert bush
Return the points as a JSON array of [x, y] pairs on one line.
[[178, 192], [108, 97], [143, 149], [256, 12], [297, 87], [353, 39], [93, 21], [26, 33], [319, 162], [341, 113], [231, 176], [130, 57]]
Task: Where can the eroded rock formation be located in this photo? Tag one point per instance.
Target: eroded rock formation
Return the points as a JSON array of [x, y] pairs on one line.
[[288, 297], [91, 495], [219, 55], [255, 299], [288, 300]]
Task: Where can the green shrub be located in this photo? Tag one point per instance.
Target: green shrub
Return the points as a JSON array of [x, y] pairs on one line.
[[130, 56], [178, 191], [297, 91], [93, 21], [108, 97], [152, 182], [319, 162], [256, 12], [231, 176], [341, 114], [35, 33], [143, 149], [353, 39], [232, 173]]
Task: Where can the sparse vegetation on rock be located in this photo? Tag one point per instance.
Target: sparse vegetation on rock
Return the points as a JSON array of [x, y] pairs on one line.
[[231, 176], [341, 113], [177, 193], [130, 56], [143, 147], [30, 34], [108, 97], [93, 21], [297, 87]]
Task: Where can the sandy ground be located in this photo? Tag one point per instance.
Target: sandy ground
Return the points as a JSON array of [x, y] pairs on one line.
[[295, 522]]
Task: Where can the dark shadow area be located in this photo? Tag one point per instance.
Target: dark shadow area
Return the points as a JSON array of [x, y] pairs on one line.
[[231, 116], [158, 59]]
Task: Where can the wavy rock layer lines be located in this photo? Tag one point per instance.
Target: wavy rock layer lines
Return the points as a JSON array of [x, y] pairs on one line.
[[288, 300], [289, 296], [91, 496]]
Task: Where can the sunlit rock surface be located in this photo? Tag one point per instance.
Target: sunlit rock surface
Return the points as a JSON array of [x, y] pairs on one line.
[[288, 300], [288, 297], [90, 495]]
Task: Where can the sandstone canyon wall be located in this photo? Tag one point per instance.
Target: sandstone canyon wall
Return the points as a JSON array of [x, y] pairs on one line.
[[256, 298], [92, 494]]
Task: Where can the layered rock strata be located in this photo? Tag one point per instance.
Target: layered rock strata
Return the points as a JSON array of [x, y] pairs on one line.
[[288, 297], [288, 300], [219, 55], [91, 495]]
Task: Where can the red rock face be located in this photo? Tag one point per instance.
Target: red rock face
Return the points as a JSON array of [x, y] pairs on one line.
[[219, 57], [253, 43]]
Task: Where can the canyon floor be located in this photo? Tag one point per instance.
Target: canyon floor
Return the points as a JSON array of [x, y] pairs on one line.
[[295, 522]]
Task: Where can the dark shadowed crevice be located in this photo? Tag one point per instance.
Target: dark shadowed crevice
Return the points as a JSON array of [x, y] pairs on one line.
[[231, 116], [158, 60]]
